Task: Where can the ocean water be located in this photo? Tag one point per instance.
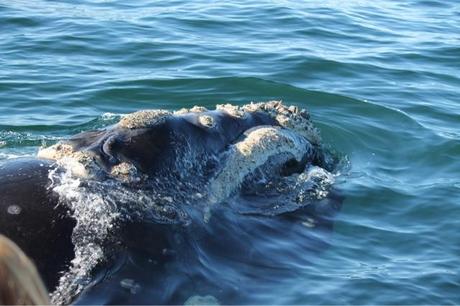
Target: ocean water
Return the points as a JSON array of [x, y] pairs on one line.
[[380, 79]]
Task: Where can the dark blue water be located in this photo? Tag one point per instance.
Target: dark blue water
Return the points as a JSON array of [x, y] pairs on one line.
[[381, 81]]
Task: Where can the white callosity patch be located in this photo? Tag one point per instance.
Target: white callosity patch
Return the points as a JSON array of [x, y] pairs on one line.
[[206, 120], [247, 155], [231, 109], [56, 151], [143, 118], [289, 117], [80, 163], [126, 172], [84, 164], [195, 109]]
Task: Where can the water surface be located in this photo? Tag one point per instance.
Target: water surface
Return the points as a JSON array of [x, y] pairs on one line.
[[380, 80]]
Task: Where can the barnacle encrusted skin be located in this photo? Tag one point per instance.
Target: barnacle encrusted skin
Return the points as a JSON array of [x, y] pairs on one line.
[[195, 109], [127, 173], [56, 151], [245, 156], [231, 109], [289, 117], [143, 118], [81, 163], [206, 120]]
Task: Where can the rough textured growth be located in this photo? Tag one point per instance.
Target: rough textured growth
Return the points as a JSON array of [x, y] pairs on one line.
[[80, 163], [233, 110], [126, 172], [206, 120], [83, 163], [195, 109], [56, 151], [289, 117], [255, 150], [143, 118]]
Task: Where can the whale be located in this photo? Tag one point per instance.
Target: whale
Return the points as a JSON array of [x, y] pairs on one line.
[[181, 159]]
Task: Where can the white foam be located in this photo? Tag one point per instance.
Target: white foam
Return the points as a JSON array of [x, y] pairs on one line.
[[13, 155], [110, 116], [312, 184], [95, 218]]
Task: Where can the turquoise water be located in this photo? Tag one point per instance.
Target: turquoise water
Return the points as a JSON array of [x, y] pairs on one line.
[[380, 80]]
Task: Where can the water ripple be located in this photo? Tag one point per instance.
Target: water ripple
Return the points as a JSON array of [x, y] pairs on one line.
[[379, 78]]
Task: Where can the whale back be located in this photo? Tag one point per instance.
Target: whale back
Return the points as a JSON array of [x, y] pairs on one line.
[[31, 216]]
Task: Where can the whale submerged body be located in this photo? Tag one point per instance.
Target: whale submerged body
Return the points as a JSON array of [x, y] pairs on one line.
[[139, 212]]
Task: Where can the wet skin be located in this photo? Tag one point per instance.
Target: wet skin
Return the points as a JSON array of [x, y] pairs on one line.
[[31, 215], [30, 212]]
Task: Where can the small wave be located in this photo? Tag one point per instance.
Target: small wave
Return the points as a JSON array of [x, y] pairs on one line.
[[13, 155], [110, 116]]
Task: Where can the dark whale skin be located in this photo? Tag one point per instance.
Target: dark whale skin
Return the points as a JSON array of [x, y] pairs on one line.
[[31, 217]]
